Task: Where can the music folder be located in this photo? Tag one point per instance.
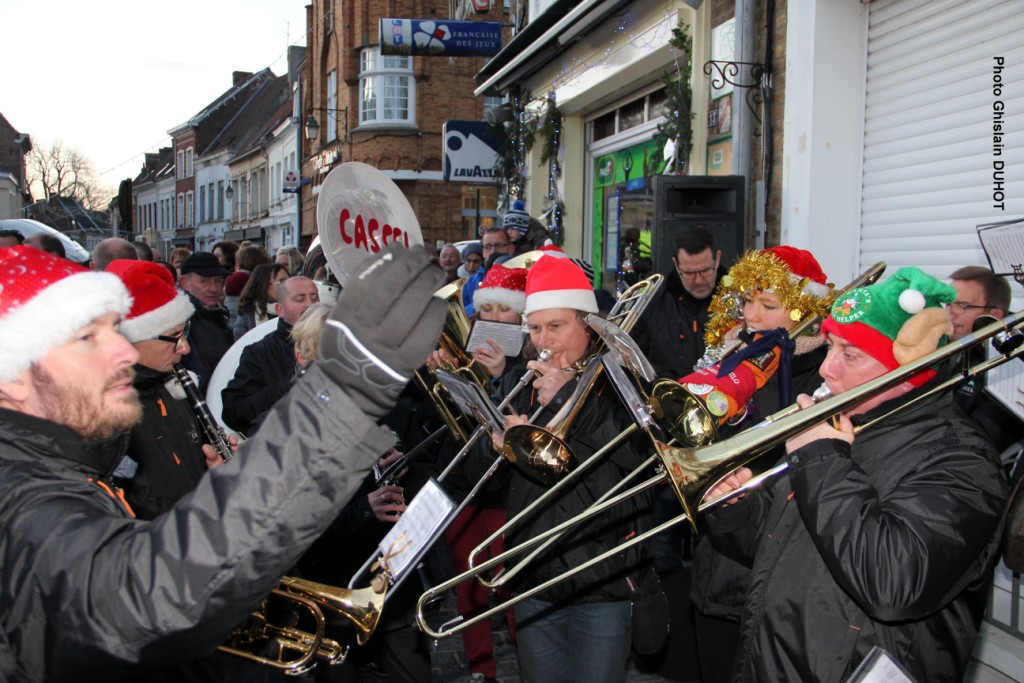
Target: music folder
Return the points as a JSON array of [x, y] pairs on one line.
[[472, 401]]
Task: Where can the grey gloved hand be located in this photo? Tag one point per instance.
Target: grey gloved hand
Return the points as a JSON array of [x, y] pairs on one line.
[[385, 323]]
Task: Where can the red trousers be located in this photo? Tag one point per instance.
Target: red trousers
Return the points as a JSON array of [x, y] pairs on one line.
[[470, 528]]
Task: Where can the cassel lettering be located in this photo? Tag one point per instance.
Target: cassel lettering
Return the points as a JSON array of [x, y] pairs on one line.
[[365, 233]]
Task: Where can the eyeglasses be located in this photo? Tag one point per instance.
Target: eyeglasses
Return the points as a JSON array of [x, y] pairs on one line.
[[499, 245], [179, 339], [703, 274], [960, 307]]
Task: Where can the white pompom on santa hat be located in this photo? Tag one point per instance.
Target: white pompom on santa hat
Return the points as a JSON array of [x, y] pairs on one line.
[[157, 306], [44, 300], [557, 282]]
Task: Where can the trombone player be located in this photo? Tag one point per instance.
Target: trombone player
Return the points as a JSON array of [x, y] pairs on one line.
[[877, 544], [579, 630]]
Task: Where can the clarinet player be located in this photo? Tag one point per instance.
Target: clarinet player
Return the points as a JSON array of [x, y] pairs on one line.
[[166, 453]]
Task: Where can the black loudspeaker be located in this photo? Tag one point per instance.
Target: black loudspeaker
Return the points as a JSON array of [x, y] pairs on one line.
[[716, 203]]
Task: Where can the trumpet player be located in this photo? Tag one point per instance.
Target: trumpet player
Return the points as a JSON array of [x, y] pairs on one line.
[[579, 630], [166, 455], [876, 545], [774, 288], [92, 593]]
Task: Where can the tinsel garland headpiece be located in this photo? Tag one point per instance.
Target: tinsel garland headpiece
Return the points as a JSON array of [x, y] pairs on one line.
[[760, 271]]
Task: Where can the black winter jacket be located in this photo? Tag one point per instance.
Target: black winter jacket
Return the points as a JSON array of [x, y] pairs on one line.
[[89, 593], [890, 542], [166, 445], [671, 330], [601, 418], [265, 371], [209, 338]]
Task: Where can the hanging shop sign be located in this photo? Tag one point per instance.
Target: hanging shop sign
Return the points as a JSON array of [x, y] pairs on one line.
[[470, 152], [439, 38]]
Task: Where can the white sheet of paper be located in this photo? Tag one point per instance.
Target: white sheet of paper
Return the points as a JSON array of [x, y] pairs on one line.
[[508, 336], [413, 534], [1004, 245]]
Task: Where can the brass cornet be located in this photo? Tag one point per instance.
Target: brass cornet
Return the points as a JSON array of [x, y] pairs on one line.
[[294, 651]]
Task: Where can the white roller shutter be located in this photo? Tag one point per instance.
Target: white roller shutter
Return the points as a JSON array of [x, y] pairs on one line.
[[928, 129]]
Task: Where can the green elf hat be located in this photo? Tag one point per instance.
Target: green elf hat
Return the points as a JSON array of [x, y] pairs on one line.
[[896, 321]]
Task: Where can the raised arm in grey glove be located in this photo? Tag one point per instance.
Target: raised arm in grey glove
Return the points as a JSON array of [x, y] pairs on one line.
[[385, 323]]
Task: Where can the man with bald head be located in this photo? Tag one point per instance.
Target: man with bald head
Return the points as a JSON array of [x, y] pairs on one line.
[[112, 249], [267, 367]]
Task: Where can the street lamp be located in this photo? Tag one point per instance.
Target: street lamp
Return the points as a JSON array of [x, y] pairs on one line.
[[312, 127], [230, 191]]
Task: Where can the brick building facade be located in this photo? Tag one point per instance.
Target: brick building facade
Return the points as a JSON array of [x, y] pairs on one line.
[[401, 137]]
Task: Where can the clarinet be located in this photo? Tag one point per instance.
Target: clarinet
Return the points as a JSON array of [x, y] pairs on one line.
[[214, 432]]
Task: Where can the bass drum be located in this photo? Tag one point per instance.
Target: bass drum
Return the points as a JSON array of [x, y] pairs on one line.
[[227, 367]]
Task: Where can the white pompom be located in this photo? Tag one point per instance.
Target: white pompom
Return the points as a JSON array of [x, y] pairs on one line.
[[912, 301]]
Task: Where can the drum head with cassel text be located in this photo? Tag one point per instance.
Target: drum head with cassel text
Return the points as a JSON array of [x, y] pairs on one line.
[[360, 211]]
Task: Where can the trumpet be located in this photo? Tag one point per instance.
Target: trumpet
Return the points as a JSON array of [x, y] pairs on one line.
[[296, 652], [694, 471], [213, 431]]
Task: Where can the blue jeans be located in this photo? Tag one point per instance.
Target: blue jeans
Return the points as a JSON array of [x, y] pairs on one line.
[[588, 642]]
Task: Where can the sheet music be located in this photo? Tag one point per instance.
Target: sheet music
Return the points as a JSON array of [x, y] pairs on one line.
[[413, 534], [508, 336], [1006, 384], [1004, 245]]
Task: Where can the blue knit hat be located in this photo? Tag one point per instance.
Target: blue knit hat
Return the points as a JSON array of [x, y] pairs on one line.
[[517, 218]]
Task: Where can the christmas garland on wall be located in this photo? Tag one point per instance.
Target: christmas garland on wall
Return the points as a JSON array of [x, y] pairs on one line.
[[675, 133], [515, 137], [551, 135]]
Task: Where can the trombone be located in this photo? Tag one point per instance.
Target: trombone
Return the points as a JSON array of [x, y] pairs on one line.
[[679, 412], [626, 312], [694, 471]]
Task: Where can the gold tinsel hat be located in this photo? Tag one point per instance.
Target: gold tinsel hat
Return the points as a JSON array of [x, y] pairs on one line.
[[793, 275]]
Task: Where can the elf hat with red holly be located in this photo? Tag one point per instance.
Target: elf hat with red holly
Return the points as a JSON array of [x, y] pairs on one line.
[[501, 285], [896, 321], [156, 305], [555, 282], [44, 300]]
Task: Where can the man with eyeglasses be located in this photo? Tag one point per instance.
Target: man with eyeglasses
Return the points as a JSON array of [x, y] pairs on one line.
[[672, 328], [495, 244], [166, 457], [980, 292]]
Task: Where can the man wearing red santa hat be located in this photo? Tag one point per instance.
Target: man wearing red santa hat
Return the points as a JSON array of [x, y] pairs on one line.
[[92, 593]]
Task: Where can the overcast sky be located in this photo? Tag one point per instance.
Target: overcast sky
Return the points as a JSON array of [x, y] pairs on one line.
[[111, 78]]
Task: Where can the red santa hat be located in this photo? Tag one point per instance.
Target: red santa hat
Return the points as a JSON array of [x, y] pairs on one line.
[[156, 305], [802, 264], [44, 300], [555, 282], [501, 285]]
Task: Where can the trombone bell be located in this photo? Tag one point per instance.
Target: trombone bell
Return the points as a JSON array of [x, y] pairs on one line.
[[682, 415], [538, 453]]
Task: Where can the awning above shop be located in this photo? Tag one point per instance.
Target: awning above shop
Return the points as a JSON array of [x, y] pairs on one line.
[[253, 234], [234, 235], [554, 31]]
